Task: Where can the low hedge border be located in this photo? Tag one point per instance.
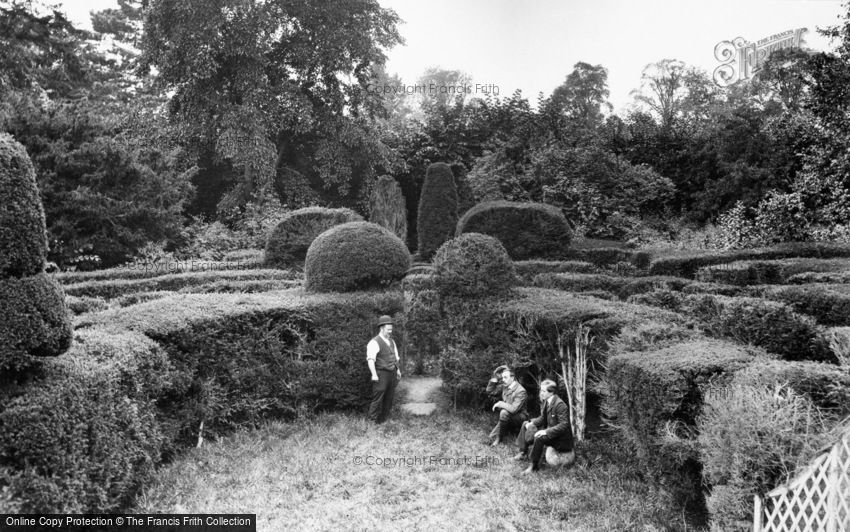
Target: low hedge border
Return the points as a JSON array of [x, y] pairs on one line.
[[625, 287], [827, 306], [527, 269], [117, 287], [752, 272], [686, 263], [773, 325]]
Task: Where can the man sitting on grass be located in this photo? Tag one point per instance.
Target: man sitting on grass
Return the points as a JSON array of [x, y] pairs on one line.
[[551, 429], [512, 411]]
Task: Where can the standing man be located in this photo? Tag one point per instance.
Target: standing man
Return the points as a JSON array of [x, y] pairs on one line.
[[512, 407], [383, 360], [551, 429]]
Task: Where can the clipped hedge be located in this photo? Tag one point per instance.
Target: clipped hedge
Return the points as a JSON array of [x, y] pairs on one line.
[[744, 273], [527, 269], [522, 331], [610, 256], [288, 243], [437, 216], [828, 307], [355, 256], [33, 318], [473, 265], [686, 263], [527, 230], [139, 382], [113, 288], [650, 394], [23, 234], [83, 304], [85, 435], [768, 324], [773, 325]]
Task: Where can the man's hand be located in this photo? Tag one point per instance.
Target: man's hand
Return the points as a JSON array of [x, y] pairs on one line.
[[374, 378], [499, 404], [539, 433], [399, 372]]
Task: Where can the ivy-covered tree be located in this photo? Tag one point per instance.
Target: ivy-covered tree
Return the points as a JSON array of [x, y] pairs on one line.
[[274, 92]]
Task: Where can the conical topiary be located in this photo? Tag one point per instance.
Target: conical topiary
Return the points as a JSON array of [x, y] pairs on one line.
[[23, 237], [437, 215], [34, 319], [387, 207]]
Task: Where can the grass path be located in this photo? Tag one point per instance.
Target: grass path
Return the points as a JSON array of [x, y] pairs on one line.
[[338, 471]]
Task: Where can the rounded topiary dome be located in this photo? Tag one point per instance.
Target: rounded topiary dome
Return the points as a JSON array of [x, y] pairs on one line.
[[473, 265], [355, 256], [527, 230], [23, 237], [288, 243]]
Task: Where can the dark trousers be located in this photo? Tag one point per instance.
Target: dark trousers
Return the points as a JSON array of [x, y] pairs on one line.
[[382, 395], [507, 423], [526, 439]]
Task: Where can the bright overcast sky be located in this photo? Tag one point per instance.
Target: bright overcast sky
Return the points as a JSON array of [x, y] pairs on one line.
[[532, 45]]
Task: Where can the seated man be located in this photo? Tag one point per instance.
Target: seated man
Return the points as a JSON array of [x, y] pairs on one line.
[[512, 411], [551, 429]]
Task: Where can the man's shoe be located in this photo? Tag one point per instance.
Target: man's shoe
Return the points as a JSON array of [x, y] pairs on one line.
[[519, 456], [529, 470]]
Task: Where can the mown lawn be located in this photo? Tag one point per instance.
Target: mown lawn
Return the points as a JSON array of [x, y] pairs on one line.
[[311, 475]]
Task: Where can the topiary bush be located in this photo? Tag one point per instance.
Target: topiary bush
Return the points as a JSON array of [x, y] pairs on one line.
[[437, 215], [473, 265], [287, 245], [387, 207], [33, 317], [23, 236], [527, 230], [355, 256]]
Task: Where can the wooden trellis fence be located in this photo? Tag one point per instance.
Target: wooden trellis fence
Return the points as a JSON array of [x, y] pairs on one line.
[[818, 499]]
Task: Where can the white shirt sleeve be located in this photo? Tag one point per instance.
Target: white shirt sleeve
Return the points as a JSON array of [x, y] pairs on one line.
[[395, 348], [372, 350]]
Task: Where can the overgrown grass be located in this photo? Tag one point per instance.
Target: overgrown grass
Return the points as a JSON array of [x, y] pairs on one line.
[[306, 474]]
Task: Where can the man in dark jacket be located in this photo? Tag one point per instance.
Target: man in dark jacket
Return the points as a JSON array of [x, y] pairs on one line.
[[512, 407], [551, 429]]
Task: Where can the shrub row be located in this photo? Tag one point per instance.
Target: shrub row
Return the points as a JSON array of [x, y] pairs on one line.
[[143, 379], [828, 306], [743, 273], [820, 277], [686, 263], [769, 324], [610, 256], [175, 281], [527, 269], [527, 230], [624, 287], [83, 304]]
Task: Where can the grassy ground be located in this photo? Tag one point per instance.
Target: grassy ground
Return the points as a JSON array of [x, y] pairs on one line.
[[327, 473]]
